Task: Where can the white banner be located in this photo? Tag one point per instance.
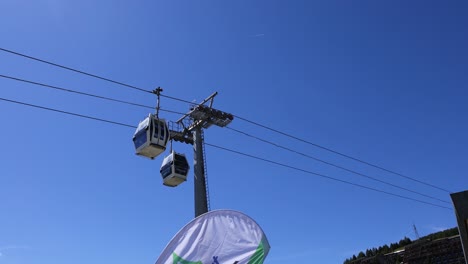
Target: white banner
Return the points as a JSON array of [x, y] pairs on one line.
[[217, 237]]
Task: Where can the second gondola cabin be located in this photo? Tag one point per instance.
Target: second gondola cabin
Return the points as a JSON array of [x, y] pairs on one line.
[[151, 137], [174, 169]]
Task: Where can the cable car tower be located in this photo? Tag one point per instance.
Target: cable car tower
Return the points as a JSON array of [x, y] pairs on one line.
[[200, 117], [188, 129]]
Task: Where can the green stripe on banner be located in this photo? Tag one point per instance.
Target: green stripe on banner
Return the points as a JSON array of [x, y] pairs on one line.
[[259, 255], [179, 260]]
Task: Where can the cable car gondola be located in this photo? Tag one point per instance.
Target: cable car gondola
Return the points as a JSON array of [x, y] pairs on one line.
[[174, 169], [151, 137]]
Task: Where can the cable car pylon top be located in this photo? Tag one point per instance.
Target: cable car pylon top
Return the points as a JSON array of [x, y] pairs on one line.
[[199, 116], [206, 116]]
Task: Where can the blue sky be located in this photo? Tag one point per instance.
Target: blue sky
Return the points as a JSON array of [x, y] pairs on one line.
[[383, 81]]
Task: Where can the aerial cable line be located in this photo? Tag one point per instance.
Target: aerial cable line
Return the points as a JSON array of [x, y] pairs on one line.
[[325, 176], [177, 99], [73, 91], [238, 117], [91, 75], [170, 111], [336, 166], [341, 154], [85, 94], [75, 70], [68, 113], [233, 151]]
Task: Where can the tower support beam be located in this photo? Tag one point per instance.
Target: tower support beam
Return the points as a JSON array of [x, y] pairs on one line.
[[198, 118], [201, 202]]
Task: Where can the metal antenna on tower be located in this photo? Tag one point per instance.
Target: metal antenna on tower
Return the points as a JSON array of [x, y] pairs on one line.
[[416, 231]]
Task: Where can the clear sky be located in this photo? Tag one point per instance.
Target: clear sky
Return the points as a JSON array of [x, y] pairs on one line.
[[383, 81]]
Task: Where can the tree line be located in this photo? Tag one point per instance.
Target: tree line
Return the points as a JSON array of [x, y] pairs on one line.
[[385, 249], [382, 250]]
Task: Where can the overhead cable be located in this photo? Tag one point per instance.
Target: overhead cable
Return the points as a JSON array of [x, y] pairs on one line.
[[176, 99], [326, 176], [341, 154], [85, 94], [336, 166], [75, 70], [68, 113]]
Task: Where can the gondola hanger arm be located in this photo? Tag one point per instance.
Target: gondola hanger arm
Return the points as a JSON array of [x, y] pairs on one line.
[[158, 91]]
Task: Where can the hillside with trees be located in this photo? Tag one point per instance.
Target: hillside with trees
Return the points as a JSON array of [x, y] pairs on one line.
[[385, 249]]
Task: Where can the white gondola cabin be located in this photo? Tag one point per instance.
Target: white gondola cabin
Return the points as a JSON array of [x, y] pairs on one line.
[[174, 169], [151, 137]]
